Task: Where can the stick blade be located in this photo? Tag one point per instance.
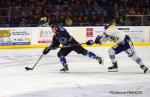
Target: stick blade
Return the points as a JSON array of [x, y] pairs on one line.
[[27, 68]]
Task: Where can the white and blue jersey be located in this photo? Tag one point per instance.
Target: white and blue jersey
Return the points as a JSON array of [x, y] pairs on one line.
[[123, 43]]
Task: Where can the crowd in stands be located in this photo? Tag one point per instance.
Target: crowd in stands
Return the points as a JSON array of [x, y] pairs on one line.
[[24, 13]]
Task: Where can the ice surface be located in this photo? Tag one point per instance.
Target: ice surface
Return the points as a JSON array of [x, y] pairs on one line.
[[86, 77]]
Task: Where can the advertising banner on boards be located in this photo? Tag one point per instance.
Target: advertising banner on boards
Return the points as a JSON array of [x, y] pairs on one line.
[[15, 36]]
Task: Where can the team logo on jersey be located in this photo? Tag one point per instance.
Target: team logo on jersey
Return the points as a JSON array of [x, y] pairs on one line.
[[62, 29], [63, 40]]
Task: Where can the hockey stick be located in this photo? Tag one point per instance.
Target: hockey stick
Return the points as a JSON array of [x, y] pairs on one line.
[[28, 68], [31, 68], [71, 45]]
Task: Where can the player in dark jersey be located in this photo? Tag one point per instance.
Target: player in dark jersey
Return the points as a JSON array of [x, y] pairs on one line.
[[61, 36]]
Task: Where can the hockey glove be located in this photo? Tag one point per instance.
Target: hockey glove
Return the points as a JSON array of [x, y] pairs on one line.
[[114, 38], [46, 50], [127, 38], [97, 40], [90, 42]]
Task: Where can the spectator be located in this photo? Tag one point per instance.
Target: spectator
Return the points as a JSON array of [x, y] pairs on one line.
[[68, 21], [44, 22], [57, 10]]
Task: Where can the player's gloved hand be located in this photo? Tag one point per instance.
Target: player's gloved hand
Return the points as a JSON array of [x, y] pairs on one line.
[[97, 40], [46, 50], [127, 38], [114, 38], [90, 42]]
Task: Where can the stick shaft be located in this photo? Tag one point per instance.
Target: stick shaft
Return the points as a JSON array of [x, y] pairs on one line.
[[37, 61], [72, 45]]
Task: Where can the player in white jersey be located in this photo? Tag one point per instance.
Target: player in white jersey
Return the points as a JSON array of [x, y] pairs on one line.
[[123, 43]]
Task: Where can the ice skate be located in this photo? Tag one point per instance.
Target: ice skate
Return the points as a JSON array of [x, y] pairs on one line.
[[100, 60], [113, 68], [144, 68], [64, 69]]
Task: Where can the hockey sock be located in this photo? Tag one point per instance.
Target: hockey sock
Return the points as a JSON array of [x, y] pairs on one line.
[[63, 60], [137, 59], [112, 55], [91, 55]]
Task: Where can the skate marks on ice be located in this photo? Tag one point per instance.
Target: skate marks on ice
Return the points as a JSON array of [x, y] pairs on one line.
[[75, 84], [86, 78], [47, 82], [96, 90]]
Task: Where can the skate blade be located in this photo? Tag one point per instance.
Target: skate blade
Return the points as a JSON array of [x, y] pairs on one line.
[[67, 71], [147, 71], [112, 70]]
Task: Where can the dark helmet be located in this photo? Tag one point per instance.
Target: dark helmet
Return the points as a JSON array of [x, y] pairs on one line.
[[107, 26], [54, 25]]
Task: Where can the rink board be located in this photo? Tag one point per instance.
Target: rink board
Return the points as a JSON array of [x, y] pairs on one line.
[[39, 37], [43, 46]]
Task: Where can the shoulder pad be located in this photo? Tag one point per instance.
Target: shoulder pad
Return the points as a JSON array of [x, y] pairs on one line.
[[62, 29]]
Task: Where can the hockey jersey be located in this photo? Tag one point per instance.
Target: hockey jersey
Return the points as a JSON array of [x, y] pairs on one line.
[[112, 35], [61, 37]]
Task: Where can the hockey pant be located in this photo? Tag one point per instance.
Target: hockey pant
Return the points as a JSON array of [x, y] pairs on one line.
[[79, 49], [128, 48]]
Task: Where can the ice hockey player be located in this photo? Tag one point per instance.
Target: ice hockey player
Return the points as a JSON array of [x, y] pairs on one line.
[[61, 36], [123, 43]]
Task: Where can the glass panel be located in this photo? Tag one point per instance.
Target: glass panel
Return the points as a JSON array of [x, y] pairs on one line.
[[137, 20]]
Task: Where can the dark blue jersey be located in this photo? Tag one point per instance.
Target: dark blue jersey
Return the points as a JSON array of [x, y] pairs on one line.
[[62, 37]]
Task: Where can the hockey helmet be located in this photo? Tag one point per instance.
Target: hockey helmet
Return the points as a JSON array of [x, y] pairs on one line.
[[107, 26], [54, 25]]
